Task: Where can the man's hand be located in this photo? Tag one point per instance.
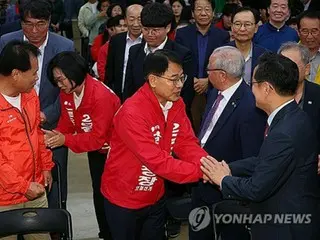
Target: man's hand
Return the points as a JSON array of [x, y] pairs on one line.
[[200, 85], [102, 14], [43, 118], [34, 191], [47, 179], [53, 139], [214, 170], [319, 164]]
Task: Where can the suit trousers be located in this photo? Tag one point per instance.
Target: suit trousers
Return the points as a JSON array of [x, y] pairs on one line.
[[96, 166], [40, 202], [137, 224]]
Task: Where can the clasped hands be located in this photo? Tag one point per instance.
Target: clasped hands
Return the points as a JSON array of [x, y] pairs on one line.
[[214, 171], [53, 139]]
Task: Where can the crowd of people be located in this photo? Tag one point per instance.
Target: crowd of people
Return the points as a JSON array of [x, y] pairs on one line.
[[210, 100]]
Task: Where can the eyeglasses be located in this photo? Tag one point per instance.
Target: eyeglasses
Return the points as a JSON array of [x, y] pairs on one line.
[[255, 82], [152, 31], [247, 25], [39, 25], [177, 80], [214, 69], [305, 32], [207, 10]]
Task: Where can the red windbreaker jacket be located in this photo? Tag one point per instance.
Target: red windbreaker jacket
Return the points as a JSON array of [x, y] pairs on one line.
[[140, 156], [23, 154], [88, 128]]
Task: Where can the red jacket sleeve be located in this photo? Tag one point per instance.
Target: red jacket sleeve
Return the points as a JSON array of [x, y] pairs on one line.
[[102, 62], [136, 135], [45, 154], [96, 45], [187, 146], [64, 125], [102, 123]]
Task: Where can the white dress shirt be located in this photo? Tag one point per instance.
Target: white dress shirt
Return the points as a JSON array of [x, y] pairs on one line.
[[274, 113], [40, 62], [147, 49], [129, 44], [78, 99], [166, 108], [227, 94]]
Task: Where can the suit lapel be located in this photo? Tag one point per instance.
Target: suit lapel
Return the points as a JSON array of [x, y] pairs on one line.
[[228, 110], [308, 98]]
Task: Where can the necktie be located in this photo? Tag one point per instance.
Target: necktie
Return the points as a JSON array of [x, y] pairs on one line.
[[266, 130], [210, 115]]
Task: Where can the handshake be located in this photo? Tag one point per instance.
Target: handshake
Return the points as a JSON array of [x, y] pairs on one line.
[[214, 171]]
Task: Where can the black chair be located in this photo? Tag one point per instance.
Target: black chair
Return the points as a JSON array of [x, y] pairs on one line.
[[228, 207], [35, 220], [56, 177]]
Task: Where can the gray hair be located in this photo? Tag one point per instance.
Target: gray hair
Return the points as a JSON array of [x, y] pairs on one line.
[[230, 60], [303, 50]]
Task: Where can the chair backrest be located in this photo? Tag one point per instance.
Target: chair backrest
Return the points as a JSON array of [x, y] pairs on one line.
[[35, 220], [179, 207]]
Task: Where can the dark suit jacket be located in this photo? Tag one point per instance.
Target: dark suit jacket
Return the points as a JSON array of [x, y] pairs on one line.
[[237, 134], [314, 5], [311, 105], [187, 37], [134, 73], [283, 178], [48, 94], [114, 66], [257, 51]]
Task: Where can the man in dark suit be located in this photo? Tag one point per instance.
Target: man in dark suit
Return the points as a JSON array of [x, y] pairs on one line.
[[119, 46], [244, 26], [201, 38], [232, 128], [308, 93], [156, 23], [282, 179], [35, 19]]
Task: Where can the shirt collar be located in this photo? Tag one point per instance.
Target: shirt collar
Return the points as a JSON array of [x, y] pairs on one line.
[[306, 6], [138, 38], [227, 94], [274, 113], [44, 44], [275, 28], [147, 50], [250, 53], [166, 107]]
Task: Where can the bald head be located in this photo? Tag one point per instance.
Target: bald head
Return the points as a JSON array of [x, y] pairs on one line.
[[134, 20]]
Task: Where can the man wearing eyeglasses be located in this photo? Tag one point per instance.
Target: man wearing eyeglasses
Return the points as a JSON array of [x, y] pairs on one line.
[[156, 23], [309, 32], [149, 127], [35, 21], [244, 26], [232, 129]]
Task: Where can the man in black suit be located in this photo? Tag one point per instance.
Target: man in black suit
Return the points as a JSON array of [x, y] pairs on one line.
[[156, 23], [311, 5], [308, 93], [283, 178], [119, 46], [201, 38], [235, 129]]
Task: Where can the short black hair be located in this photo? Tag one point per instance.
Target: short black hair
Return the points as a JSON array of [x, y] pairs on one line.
[[100, 3], [193, 4], [308, 14], [279, 71], [73, 66], [255, 13], [114, 21], [16, 55], [109, 10], [158, 62], [229, 9], [39, 9], [292, 21], [156, 15]]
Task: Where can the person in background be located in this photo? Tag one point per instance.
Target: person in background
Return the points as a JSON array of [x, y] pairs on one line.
[[57, 15], [177, 7], [225, 20], [35, 21], [114, 10], [272, 34], [118, 51], [86, 120], [118, 25], [244, 26], [25, 162], [293, 23], [148, 128], [113, 26], [309, 32]]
